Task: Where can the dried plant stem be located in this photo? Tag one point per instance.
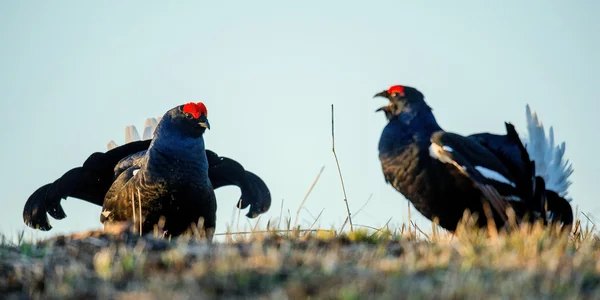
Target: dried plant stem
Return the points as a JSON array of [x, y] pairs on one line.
[[339, 170], [239, 206], [343, 225], [306, 196], [491, 225], [280, 215], [409, 220], [316, 219], [421, 231], [140, 209], [133, 207], [588, 218], [367, 226], [364, 205]]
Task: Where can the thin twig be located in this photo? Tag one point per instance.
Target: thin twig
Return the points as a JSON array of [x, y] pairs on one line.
[[386, 225], [309, 213], [415, 226], [239, 214], [280, 215], [388, 222], [249, 223], [339, 170], [408, 204], [375, 228], [140, 209], [367, 226], [364, 205], [133, 207], [343, 225], [588, 218], [257, 222], [306, 196], [421, 231], [316, 219]]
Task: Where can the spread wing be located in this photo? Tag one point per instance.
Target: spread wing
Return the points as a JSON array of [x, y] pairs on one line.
[[90, 182], [224, 171], [488, 173]]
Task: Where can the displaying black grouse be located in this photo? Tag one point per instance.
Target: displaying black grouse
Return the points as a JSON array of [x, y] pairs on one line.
[[171, 176], [443, 173]]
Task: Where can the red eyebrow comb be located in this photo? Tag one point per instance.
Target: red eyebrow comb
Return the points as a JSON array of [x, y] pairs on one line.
[[195, 109], [396, 89]]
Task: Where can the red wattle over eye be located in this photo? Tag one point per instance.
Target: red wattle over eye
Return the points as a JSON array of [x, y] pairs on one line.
[[396, 89], [195, 109]]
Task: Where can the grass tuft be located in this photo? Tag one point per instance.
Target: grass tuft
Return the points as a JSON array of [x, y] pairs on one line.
[[408, 262]]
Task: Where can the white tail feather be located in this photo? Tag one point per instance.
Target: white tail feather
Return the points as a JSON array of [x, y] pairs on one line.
[[149, 127], [132, 135], [549, 158], [111, 145]]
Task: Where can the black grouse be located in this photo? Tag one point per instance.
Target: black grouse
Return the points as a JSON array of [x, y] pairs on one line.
[[443, 173], [171, 175]]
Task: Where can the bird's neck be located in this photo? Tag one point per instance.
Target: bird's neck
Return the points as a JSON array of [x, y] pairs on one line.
[[415, 123], [171, 150], [183, 147]]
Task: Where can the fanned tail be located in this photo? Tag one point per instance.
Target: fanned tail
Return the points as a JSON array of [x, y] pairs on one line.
[[550, 163], [132, 134]]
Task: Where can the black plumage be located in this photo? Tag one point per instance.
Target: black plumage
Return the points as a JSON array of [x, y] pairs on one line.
[[443, 173], [178, 182], [511, 151]]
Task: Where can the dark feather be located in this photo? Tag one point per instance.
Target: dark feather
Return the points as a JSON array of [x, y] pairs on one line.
[[478, 156], [90, 182], [224, 171]]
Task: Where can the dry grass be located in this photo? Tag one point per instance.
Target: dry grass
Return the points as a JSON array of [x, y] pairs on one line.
[[272, 263]]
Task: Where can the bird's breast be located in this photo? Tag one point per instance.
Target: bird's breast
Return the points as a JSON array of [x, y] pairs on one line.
[[178, 167]]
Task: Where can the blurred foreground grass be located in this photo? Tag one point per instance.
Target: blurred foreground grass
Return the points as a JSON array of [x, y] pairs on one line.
[[405, 263]]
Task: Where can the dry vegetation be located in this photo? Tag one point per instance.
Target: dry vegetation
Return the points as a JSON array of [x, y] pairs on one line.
[[407, 263]]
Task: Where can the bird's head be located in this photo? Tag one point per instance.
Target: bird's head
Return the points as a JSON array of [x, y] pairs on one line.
[[190, 119], [401, 98]]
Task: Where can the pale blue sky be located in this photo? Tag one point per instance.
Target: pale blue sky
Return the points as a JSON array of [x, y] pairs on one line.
[[74, 74]]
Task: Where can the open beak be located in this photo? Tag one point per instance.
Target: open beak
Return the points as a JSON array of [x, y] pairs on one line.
[[383, 94], [204, 122], [385, 107]]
